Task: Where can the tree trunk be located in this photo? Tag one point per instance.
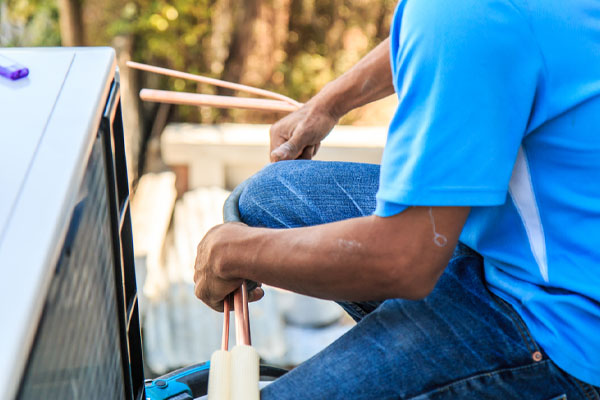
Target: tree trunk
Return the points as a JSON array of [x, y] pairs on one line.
[[241, 43], [71, 23]]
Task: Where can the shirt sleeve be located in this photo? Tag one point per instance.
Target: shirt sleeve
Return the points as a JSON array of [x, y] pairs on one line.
[[466, 74]]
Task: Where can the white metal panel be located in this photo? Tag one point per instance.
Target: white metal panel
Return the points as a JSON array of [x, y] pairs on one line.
[[38, 222], [25, 106]]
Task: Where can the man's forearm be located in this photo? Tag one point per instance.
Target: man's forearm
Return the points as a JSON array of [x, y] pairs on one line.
[[334, 261], [368, 80], [369, 258]]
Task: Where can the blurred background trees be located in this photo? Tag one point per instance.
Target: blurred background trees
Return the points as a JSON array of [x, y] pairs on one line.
[[290, 46]]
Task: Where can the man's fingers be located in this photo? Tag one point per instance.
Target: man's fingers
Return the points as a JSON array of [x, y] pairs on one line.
[[307, 153], [291, 149], [256, 294], [218, 307], [287, 151]]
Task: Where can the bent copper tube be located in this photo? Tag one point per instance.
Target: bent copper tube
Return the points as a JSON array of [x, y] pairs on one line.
[[213, 81], [197, 99]]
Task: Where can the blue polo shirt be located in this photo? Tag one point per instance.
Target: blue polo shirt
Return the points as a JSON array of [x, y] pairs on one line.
[[500, 110]]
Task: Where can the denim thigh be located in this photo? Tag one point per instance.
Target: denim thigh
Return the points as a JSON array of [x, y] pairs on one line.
[[460, 342]]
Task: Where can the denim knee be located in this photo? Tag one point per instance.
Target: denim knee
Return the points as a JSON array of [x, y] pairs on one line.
[[290, 194], [262, 199]]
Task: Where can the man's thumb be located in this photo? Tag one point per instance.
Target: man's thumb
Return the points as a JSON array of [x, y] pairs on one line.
[[286, 151]]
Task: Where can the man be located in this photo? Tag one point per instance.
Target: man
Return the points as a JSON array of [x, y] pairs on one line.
[[495, 143]]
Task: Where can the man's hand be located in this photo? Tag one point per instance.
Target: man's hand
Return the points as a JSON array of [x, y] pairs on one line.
[[299, 134], [211, 270]]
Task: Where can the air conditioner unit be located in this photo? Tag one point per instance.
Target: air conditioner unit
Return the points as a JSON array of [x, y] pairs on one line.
[[67, 294]]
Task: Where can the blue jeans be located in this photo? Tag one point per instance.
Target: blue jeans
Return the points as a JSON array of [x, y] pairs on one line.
[[460, 342]]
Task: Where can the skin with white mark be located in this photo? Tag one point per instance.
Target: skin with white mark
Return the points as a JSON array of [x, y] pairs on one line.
[[349, 244], [439, 239]]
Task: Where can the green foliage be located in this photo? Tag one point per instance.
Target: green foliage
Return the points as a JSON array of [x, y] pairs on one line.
[[326, 38], [29, 23], [171, 33]]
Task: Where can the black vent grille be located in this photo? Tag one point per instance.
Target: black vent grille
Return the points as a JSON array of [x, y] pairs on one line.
[[77, 350]]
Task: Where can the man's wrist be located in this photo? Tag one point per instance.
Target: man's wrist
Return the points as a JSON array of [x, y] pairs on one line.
[[224, 251], [331, 100], [238, 249], [369, 80]]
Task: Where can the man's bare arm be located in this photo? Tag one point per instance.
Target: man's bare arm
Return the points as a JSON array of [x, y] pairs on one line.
[[368, 258], [299, 134], [368, 80]]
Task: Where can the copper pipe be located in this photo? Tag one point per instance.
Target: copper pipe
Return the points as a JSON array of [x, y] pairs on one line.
[[226, 311], [241, 323], [246, 312], [195, 99], [213, 81], [238, 310]]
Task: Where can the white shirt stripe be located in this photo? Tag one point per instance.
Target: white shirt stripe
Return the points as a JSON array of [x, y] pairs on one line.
[[521, 191]]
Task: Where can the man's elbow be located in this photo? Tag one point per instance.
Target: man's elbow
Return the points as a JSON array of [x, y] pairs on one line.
[[419, 290], [415, 289], [412, 281]]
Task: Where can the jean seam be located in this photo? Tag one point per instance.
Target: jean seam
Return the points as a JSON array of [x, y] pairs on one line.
[[588, 391], [357, 309], [519, 323], [478, 376]]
